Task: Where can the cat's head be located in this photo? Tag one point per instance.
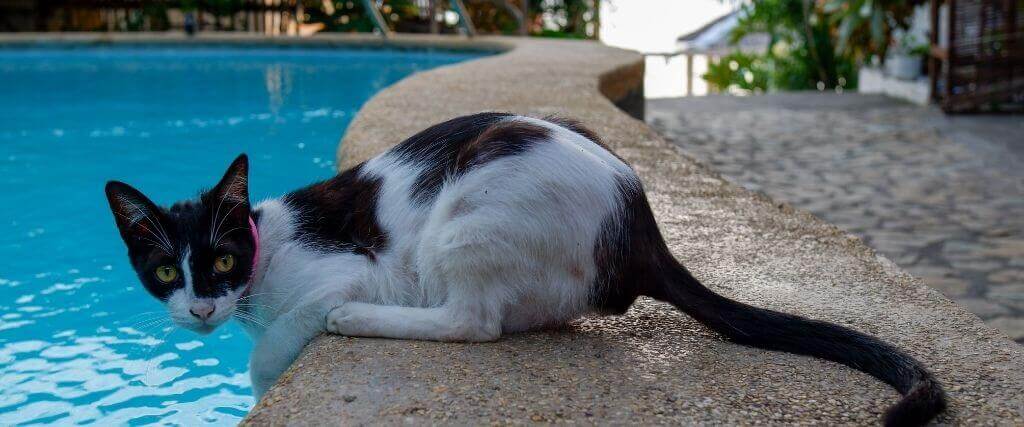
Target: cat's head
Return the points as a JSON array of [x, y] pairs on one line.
[[196, 257]]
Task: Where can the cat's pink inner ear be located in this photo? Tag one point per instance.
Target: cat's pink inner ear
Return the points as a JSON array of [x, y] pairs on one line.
[[136, 216], [234, 186]]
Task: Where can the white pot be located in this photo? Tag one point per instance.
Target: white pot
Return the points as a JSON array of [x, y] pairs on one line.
[[905, 67]]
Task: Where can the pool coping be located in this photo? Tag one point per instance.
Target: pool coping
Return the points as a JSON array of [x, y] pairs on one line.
[[347, 40], [652, 365]]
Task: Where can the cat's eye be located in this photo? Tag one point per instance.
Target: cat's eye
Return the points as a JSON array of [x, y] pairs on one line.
[[224, 263], [166, 273]]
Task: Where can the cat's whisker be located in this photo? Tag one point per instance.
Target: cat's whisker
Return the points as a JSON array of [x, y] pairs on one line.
[[214, 225], [260, 294], [151, 318], [246, 313], [255, 305], [220, 221], [156, 225], [225, 234], [161, 243], [139, 323], [150, 364], [153, 324], [246, 317], [144, 313]]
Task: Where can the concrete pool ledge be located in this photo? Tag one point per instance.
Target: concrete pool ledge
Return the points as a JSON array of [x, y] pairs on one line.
[[353, 40], [652, 365]]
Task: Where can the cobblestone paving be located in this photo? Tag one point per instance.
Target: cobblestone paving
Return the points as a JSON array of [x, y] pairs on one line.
[[943, 197]]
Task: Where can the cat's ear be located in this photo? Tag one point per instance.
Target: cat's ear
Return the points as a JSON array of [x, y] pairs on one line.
[[138, 219], [229, 200], [234, 186]]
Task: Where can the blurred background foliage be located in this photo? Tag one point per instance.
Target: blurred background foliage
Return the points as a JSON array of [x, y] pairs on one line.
[[552, 18], [549, 18], [813, 44]]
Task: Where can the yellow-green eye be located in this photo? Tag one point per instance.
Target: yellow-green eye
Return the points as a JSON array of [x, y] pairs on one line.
[[166, 273], [224, 263]]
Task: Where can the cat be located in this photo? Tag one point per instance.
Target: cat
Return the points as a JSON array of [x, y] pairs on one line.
[[483, 225]]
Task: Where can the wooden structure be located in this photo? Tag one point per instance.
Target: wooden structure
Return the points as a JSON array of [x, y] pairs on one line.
[[976, 62]]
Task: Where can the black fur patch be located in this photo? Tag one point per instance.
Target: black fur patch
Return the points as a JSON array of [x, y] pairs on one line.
[[439, 146], [341, 214], [451, 148], [506, 138], [577, 127], [627, 252]]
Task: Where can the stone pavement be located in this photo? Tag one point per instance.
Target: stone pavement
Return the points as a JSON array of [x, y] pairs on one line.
[[943, 197]]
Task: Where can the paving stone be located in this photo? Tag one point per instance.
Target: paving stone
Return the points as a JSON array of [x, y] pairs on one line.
[[930, 271], [984, 265], [984, 308], [1010, 295], [1008, 248], [944, 206], [950, 287], [1010, 275], [1012, 326]]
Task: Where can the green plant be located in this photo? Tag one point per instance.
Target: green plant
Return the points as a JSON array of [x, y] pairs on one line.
[[909, 44], [575, 15], [819, 44], [801, 43], [739, 72], [864, 28]]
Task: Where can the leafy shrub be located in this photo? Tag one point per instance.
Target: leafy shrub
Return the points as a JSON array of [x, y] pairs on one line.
[[813, 44], [739, 72]]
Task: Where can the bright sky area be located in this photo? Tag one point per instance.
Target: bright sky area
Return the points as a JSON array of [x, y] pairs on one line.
[[652, 26]]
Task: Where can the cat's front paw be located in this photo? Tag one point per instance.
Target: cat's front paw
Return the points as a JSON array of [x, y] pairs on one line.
[[347, 319]]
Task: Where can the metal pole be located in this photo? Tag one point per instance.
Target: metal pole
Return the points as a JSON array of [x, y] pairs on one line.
[[689, 74], [950, 55], [378, 20], [464, 19], [524, 17], [434, 27]]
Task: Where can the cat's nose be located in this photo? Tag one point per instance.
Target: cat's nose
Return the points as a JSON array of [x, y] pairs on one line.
[[202, 310]]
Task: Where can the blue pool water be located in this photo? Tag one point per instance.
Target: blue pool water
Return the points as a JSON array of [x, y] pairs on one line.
[[80, 340]]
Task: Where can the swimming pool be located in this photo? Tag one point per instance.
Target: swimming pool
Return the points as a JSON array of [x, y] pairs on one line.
[[80, 340]]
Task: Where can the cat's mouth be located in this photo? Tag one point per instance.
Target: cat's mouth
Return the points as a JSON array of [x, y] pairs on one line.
[[205, 328]]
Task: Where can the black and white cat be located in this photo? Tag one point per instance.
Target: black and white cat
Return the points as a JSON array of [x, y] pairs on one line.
[[476, 227]]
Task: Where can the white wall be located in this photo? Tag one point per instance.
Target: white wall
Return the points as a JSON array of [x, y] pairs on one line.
[[652, 26]]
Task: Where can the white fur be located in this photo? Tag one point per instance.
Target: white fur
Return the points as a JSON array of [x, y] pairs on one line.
[[183, 300], [507, 247]]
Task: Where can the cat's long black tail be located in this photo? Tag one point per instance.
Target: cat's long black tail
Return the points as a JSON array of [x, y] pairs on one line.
[[923, 397]]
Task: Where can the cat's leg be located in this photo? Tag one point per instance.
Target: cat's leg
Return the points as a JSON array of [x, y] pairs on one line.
[[459, 320], [480, 263], [473, 301], [284, 339]]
